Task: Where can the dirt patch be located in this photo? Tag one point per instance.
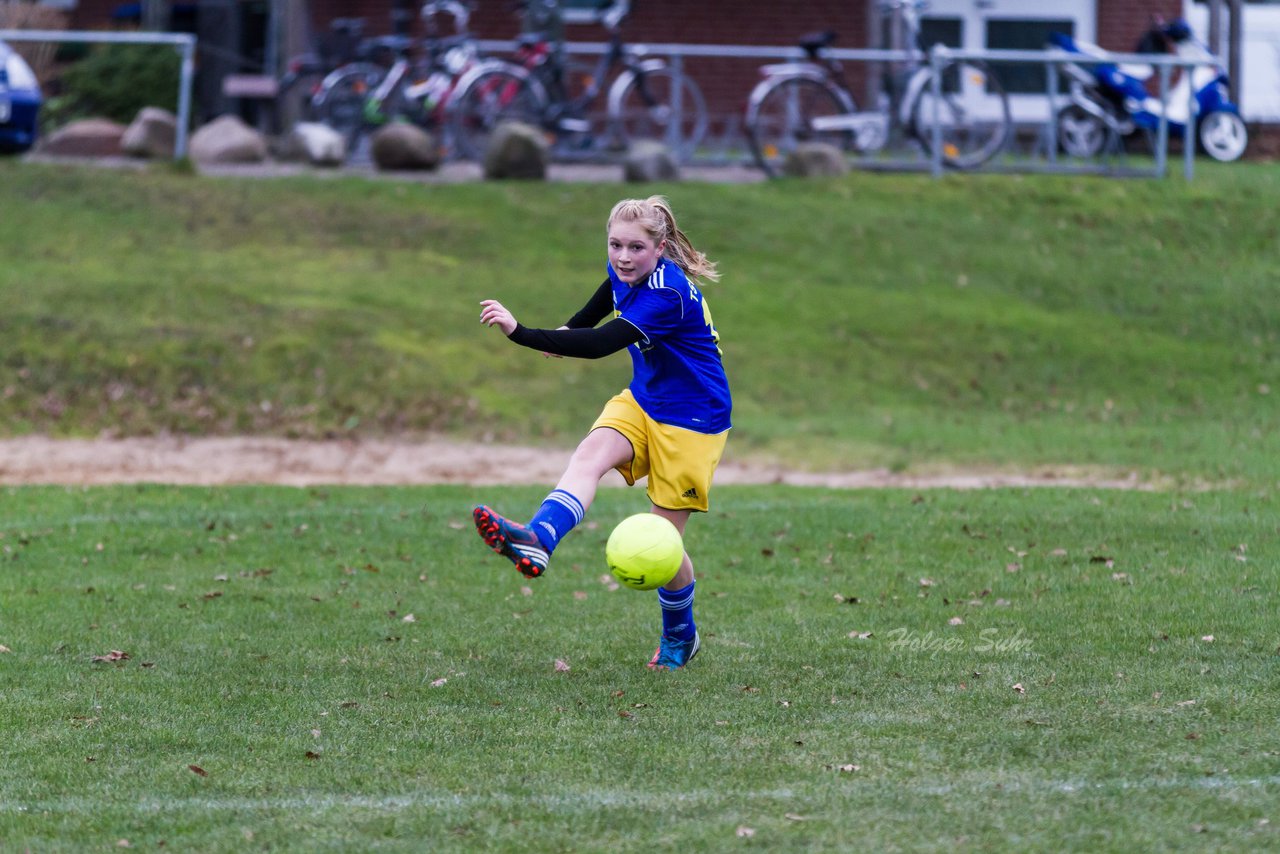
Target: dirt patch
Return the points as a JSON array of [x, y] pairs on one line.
[[244, 460]]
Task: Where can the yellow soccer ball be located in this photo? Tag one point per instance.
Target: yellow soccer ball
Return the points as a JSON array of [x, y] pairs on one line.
[[644, 551]]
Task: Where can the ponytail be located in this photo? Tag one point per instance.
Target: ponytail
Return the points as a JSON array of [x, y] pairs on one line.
[[654, 215]]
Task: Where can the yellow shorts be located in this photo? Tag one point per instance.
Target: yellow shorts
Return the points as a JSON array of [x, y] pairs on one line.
[[678, 462]]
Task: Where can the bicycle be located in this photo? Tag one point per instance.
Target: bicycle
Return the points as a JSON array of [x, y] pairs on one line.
[[648, 99], [398, 78], [811, 101]]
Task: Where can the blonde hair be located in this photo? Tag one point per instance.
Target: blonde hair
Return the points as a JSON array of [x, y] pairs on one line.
[[655, 217]]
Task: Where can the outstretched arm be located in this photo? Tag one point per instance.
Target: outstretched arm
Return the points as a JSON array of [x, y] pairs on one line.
[[615, 335]]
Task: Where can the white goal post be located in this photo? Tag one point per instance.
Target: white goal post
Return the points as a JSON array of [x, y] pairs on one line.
[[184, 42]]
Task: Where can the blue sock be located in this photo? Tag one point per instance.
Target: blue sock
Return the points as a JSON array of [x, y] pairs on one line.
[[559, 513], [677, 612]]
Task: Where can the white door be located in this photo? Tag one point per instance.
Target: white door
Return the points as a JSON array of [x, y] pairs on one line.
[[1012, 25]]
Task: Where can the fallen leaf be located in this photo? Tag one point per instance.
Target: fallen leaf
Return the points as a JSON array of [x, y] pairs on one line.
[[114, 655], [409, 618], [439, 682], [955, 621], [744, 832], [926, 582], [4, 648], [790, 816], [579, 595], [315, 733], [526, 591], [198, 771], [1059, 552], [860, 635], [1193, 736], [1017, 686], [1012, 567], [849, 768], [623, 713], [311, 754], [1207, 638], [1185, 703], [123, 843]]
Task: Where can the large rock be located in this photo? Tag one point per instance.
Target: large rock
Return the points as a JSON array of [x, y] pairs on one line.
[[314, 143], [516, 150], [649, 160], [85, 138], [815, 160], [402, 146], [227, 139], [153, 133]]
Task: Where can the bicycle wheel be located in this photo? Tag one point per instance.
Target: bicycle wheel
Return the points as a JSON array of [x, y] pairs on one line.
[[647, 109], [972, 115], [780, 116], [491, 97], [340, 102]]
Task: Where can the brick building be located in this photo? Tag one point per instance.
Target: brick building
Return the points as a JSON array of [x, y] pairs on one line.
[[231, 27]]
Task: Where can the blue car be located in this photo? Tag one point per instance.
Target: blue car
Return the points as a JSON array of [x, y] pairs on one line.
[[20, 102]]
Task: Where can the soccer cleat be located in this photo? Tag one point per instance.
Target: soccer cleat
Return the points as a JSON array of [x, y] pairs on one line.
[[673, 654], [513, 541]]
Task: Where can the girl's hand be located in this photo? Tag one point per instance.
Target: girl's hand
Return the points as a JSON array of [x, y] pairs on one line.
[[495, 313]]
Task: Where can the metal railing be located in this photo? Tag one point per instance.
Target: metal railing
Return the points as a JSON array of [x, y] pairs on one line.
[[184, 42], [1052, 60], [677, 54]]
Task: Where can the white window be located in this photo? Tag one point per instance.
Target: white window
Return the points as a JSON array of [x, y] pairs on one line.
[[1012, 25]]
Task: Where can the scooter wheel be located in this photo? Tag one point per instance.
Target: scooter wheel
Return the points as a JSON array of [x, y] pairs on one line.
[[1223, 135], [1082, 134]]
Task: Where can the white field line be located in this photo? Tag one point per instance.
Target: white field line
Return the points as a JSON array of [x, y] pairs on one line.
[[612, 799]]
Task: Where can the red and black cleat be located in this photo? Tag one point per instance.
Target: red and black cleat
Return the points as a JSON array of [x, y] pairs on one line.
[[513, 541]]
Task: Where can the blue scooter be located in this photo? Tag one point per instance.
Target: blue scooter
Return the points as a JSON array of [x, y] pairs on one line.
[[1110, 101]]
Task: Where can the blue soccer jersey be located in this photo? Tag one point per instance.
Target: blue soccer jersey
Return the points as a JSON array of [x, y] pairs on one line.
[[678, 375]]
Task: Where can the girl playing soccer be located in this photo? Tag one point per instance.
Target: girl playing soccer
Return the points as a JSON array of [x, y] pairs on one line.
[[671, 423]]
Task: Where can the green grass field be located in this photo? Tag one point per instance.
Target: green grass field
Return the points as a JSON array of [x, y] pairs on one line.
[[349, 669], [1044, 669]]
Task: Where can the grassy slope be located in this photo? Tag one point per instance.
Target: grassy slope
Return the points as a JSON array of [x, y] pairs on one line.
[[874, 320]]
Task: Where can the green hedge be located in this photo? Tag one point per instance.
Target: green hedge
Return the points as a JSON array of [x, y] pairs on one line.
[[115, 81]]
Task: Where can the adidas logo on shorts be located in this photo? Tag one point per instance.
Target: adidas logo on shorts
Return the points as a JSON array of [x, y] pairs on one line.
[[689, 493]]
